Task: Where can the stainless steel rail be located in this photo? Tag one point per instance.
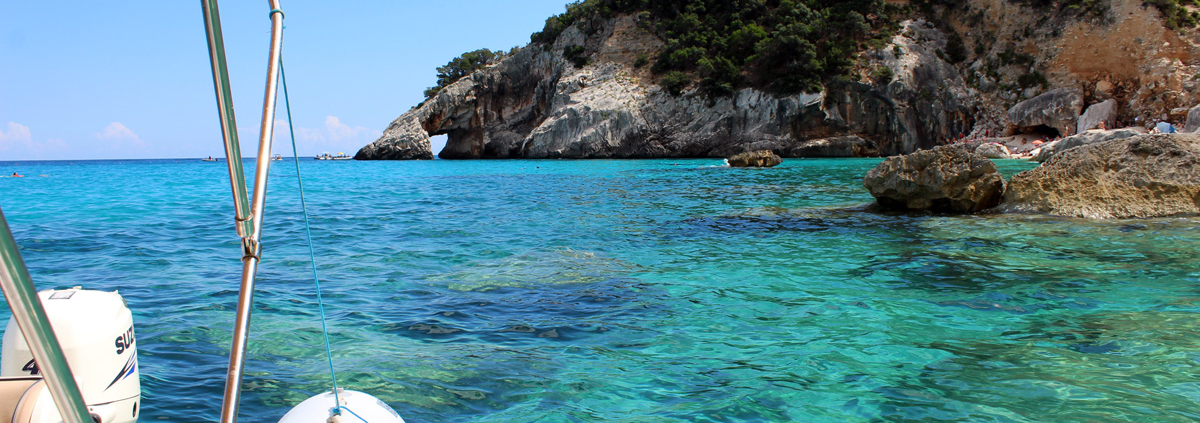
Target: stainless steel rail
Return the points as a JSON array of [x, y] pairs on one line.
[[233, 151], [250, 241], [27, 309]]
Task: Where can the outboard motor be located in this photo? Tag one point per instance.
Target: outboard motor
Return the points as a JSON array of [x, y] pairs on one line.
[[95, 330]]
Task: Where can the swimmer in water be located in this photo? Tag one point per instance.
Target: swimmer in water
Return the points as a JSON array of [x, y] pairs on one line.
[[17, 175]]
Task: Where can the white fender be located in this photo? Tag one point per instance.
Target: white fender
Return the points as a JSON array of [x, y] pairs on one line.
[[357, 407]]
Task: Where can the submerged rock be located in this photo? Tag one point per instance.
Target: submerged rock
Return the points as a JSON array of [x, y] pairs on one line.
[[1142, 176], [761, 158], [1056, 109], [1090, 137], [951, 179]]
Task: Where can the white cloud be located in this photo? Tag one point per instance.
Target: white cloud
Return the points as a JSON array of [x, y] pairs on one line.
[[309, 134], [118, 131], [279, 133], [281, 143], [335, 137], [17, 133], [339, 131], [122, 142], [17, 144]]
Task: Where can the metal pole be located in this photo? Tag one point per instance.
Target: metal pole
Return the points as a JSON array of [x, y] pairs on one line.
[[251, 247], [27, 309], [233, 152]]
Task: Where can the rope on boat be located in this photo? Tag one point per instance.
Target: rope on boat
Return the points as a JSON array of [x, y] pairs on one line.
[[355, 414], [337, 403]]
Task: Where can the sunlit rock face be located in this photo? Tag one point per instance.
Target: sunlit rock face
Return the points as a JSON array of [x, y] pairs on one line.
[[1141, 176], [946, 179], [537, 104]]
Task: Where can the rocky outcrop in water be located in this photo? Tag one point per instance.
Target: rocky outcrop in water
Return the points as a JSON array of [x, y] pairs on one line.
[[1090, 137], [950, 179], [537, 104], [1141, 176], [761, 158]]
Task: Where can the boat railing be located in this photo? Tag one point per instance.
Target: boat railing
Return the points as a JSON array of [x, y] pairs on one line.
[[249, 212]]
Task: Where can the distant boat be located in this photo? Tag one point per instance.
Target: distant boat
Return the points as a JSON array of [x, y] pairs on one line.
[[208, 159], [339, 156], [277, 157]]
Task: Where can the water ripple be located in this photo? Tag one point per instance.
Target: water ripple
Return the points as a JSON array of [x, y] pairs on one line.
[[666, 291]]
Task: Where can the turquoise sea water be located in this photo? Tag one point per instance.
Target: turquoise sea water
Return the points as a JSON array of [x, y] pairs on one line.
[[648, 291]]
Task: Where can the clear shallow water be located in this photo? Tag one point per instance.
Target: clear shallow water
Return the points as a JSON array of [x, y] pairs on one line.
[[519, 291]]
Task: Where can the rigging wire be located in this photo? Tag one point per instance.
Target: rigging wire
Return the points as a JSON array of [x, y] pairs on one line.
[[337, 403]]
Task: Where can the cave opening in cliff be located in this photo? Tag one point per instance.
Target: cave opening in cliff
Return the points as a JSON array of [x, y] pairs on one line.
[[437, 143], [1040, 131]]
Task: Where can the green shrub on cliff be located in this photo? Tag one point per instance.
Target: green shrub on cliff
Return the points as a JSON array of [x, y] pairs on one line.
[[675, 81], [575, 55], [1175, 16], [642, 60], [883, 75], [783, 46], [956, 51], [461, 66], [1094, 8], [1035, 79]]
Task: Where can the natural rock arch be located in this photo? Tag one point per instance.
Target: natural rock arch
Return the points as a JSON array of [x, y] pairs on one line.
[[537, 104]]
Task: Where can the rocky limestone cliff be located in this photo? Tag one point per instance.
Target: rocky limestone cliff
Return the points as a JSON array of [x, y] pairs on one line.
[[537, 104], [1121, 52]]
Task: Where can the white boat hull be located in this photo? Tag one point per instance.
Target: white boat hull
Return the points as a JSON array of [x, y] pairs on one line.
[[319, 409]]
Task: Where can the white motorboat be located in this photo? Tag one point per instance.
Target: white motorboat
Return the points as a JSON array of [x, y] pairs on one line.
[[339, 156]]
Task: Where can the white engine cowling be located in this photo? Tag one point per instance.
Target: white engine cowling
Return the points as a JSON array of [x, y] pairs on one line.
[[356, 407], [95, 330]]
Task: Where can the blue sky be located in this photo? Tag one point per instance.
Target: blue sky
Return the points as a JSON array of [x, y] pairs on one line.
[[131, 79]]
